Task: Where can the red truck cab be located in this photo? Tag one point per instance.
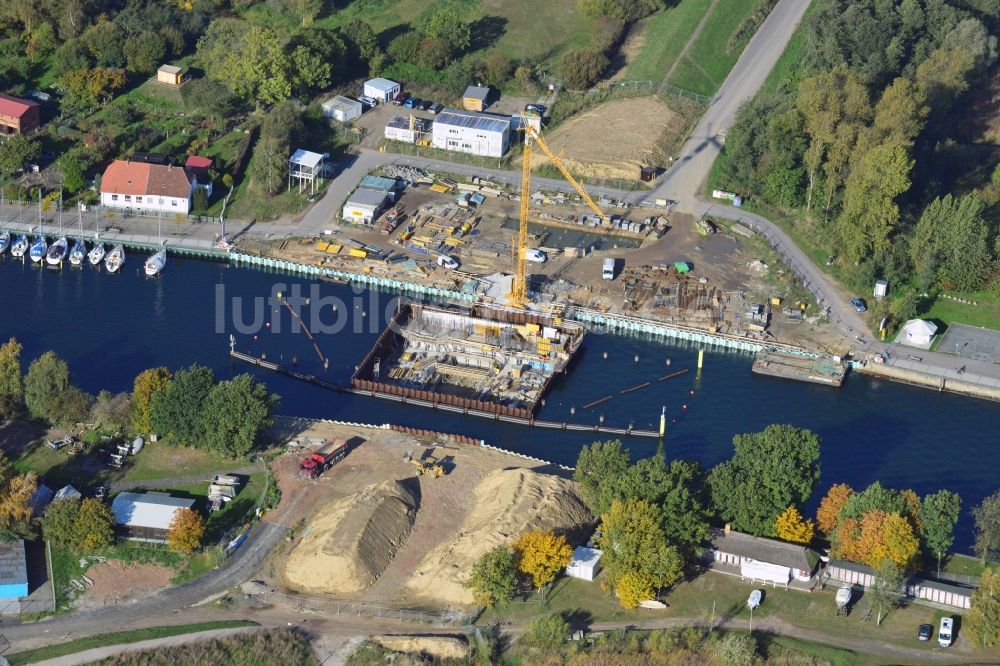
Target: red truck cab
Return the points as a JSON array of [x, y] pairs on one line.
[[323, 458]]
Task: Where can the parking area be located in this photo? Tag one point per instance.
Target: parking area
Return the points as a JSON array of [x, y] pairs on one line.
[[969, 342]]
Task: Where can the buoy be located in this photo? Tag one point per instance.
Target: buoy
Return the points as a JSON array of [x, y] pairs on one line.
[[267, 325], [572, 410], [663, 422], [255, 337], [279, 295], [636, 358], [701, 358], [605, 356], [684, 407], [601, 418], [668, 361], [692, 391]]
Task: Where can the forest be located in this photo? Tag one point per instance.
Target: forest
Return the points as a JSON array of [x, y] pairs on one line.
[[865, 147]]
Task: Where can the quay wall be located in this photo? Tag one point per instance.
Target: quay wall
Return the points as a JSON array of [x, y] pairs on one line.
[[927, 381]]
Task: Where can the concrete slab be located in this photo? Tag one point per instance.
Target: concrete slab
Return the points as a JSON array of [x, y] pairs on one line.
[[972, 343]]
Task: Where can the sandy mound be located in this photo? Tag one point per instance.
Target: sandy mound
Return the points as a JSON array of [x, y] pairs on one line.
[[352, 540], [505, 504], [439, 647], [614, 139]]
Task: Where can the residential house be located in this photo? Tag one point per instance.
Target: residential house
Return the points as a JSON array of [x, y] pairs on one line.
[[763, 559], [482, 134], [146, 516], [18, 116], [144, 187]]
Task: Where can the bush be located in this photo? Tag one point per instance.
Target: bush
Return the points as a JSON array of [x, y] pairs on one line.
[[545, 633], [735, 649], [582, 68]]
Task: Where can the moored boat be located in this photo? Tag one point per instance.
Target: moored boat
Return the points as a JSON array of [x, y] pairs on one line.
[[78, 253], [38, 249], [57, 252], [4, 241], [156, 263], [96, 255], [115, 259], [19, 246]]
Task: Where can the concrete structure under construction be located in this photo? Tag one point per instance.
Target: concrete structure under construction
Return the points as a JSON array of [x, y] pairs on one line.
[[496, 361]]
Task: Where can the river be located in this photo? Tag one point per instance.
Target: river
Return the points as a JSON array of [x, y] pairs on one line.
[[110, 327]]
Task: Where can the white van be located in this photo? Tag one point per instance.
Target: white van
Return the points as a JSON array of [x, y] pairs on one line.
[[448, 262], [608, 272], [944, 632], [536, 256]]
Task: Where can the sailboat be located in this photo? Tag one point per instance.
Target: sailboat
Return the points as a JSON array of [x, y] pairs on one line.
[[96, 255], [38, 249], [4, 241], [79, 252], [115, 259], [156, 263], [19, 246], [57, 252]]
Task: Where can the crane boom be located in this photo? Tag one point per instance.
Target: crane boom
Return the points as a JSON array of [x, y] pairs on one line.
[[566, 174]]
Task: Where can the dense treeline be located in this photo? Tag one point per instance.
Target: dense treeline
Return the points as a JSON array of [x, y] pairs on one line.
[[856, 144]]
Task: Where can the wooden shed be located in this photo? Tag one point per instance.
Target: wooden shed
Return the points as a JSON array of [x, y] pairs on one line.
[[171, 75]]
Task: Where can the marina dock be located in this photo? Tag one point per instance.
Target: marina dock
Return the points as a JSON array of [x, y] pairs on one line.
[[829, 371]]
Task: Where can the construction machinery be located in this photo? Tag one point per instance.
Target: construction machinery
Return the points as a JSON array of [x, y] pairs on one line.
[[531, 125], [426, 466], [323, 458]]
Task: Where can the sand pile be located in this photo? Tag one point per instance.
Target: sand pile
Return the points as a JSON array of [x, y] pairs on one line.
[[352, 540], [438, 647], [505, 504]]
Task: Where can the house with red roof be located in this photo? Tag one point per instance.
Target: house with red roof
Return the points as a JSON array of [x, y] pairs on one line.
[[18, 116], [144, 187]]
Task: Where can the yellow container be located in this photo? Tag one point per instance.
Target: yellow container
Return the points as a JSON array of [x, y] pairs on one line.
[[322, 246], [775, 300], [355, 252], [333, 248]]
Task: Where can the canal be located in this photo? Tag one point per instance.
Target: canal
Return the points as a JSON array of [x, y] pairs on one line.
[[110, 327]]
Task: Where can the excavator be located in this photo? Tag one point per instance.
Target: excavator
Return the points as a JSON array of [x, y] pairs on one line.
[[531, 125], [426, 466]]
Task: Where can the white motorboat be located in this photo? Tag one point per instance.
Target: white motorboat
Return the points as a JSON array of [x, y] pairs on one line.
[[38, 249], [156, 263], [79, 252], [4, 241], [19, 246], [115, 259], [754, 600], [96, 254], [843, 597], [57, 252]]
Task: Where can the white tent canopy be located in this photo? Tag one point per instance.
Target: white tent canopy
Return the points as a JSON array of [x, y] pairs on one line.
[[772, 573]]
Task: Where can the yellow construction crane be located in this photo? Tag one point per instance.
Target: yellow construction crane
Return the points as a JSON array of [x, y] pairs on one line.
[[531, 125]]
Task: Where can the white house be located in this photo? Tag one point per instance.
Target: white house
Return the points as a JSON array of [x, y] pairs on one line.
[[762, 559], [381, 89], [586, 563], [483, 134], [141, 186], [919, 333], [364, 206], [342, 108], [146, 516]]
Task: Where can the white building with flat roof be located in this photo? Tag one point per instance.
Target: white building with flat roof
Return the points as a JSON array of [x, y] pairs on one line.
[[483, 134], [364, 206], [342, 108], [381, 89]]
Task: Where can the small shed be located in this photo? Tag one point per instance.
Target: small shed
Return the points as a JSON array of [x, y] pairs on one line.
[[364, 206], [67, 493], [304, 167], [13, 570], [476, 98], [381, 89], [586, 563], [919, 333], [342, 108], [171, 75]]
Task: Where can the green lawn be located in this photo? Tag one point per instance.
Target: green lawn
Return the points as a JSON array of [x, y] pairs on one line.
[[710, 58], [787, 648], [132, 636], [665, 34], [963, 565], [785, 71], [985, 315]]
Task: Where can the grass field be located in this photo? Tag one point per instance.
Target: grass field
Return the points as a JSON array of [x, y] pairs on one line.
[[984, 315], [665, 34], [132, 636], [785, 71], [710, 58]]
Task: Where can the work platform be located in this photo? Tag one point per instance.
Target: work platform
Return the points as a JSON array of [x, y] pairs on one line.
[[829, 371]]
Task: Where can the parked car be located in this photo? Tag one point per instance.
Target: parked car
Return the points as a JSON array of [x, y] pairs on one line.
[[925, 632], [536, 108], [858, 304], [412, 102], [535, 255], [436, 108], [448, 262], [424, 104], [400, 98], [368, 101], [945, 631]]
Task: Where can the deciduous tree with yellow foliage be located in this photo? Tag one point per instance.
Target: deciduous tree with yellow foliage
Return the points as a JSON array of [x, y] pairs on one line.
[[633, 588], [186, 531], [830, 506], [542, 555], [791, 526]]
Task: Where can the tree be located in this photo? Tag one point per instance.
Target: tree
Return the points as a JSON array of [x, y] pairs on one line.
[[111, 410], [59, 522], [790, 526], [199, 202], [494, 577], [884, 536], [95, 526], [269, 166], [221, 37], [582, 68], [875, 497], [983, 620], [72, 174], [17, 151], [147, 385], [447, 25], [310, 70], [235, 414], [89, 87], [633, 542], [545, 633], [16, 515], [257, 67], [938, 516], [685, 506], [886, 587], [542, 555], [632, 589], [144, 52], [599, 467], [405, 47], [769, 471], [11, 380], [44, 385], [950, 243], [737, 649], [186, 531], [987, 517], [830, 507], [177, 410], [213, 98]]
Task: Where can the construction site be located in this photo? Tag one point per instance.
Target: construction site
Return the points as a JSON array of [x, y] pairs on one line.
[[484, 359]]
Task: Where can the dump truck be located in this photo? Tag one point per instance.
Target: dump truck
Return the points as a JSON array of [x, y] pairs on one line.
[[323, 458]]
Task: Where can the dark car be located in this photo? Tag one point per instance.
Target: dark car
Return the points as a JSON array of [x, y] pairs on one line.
[[400, 98], [436, 108], [536, 108], [858, 305], [925, 632], [411, 103], [424, 104]]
